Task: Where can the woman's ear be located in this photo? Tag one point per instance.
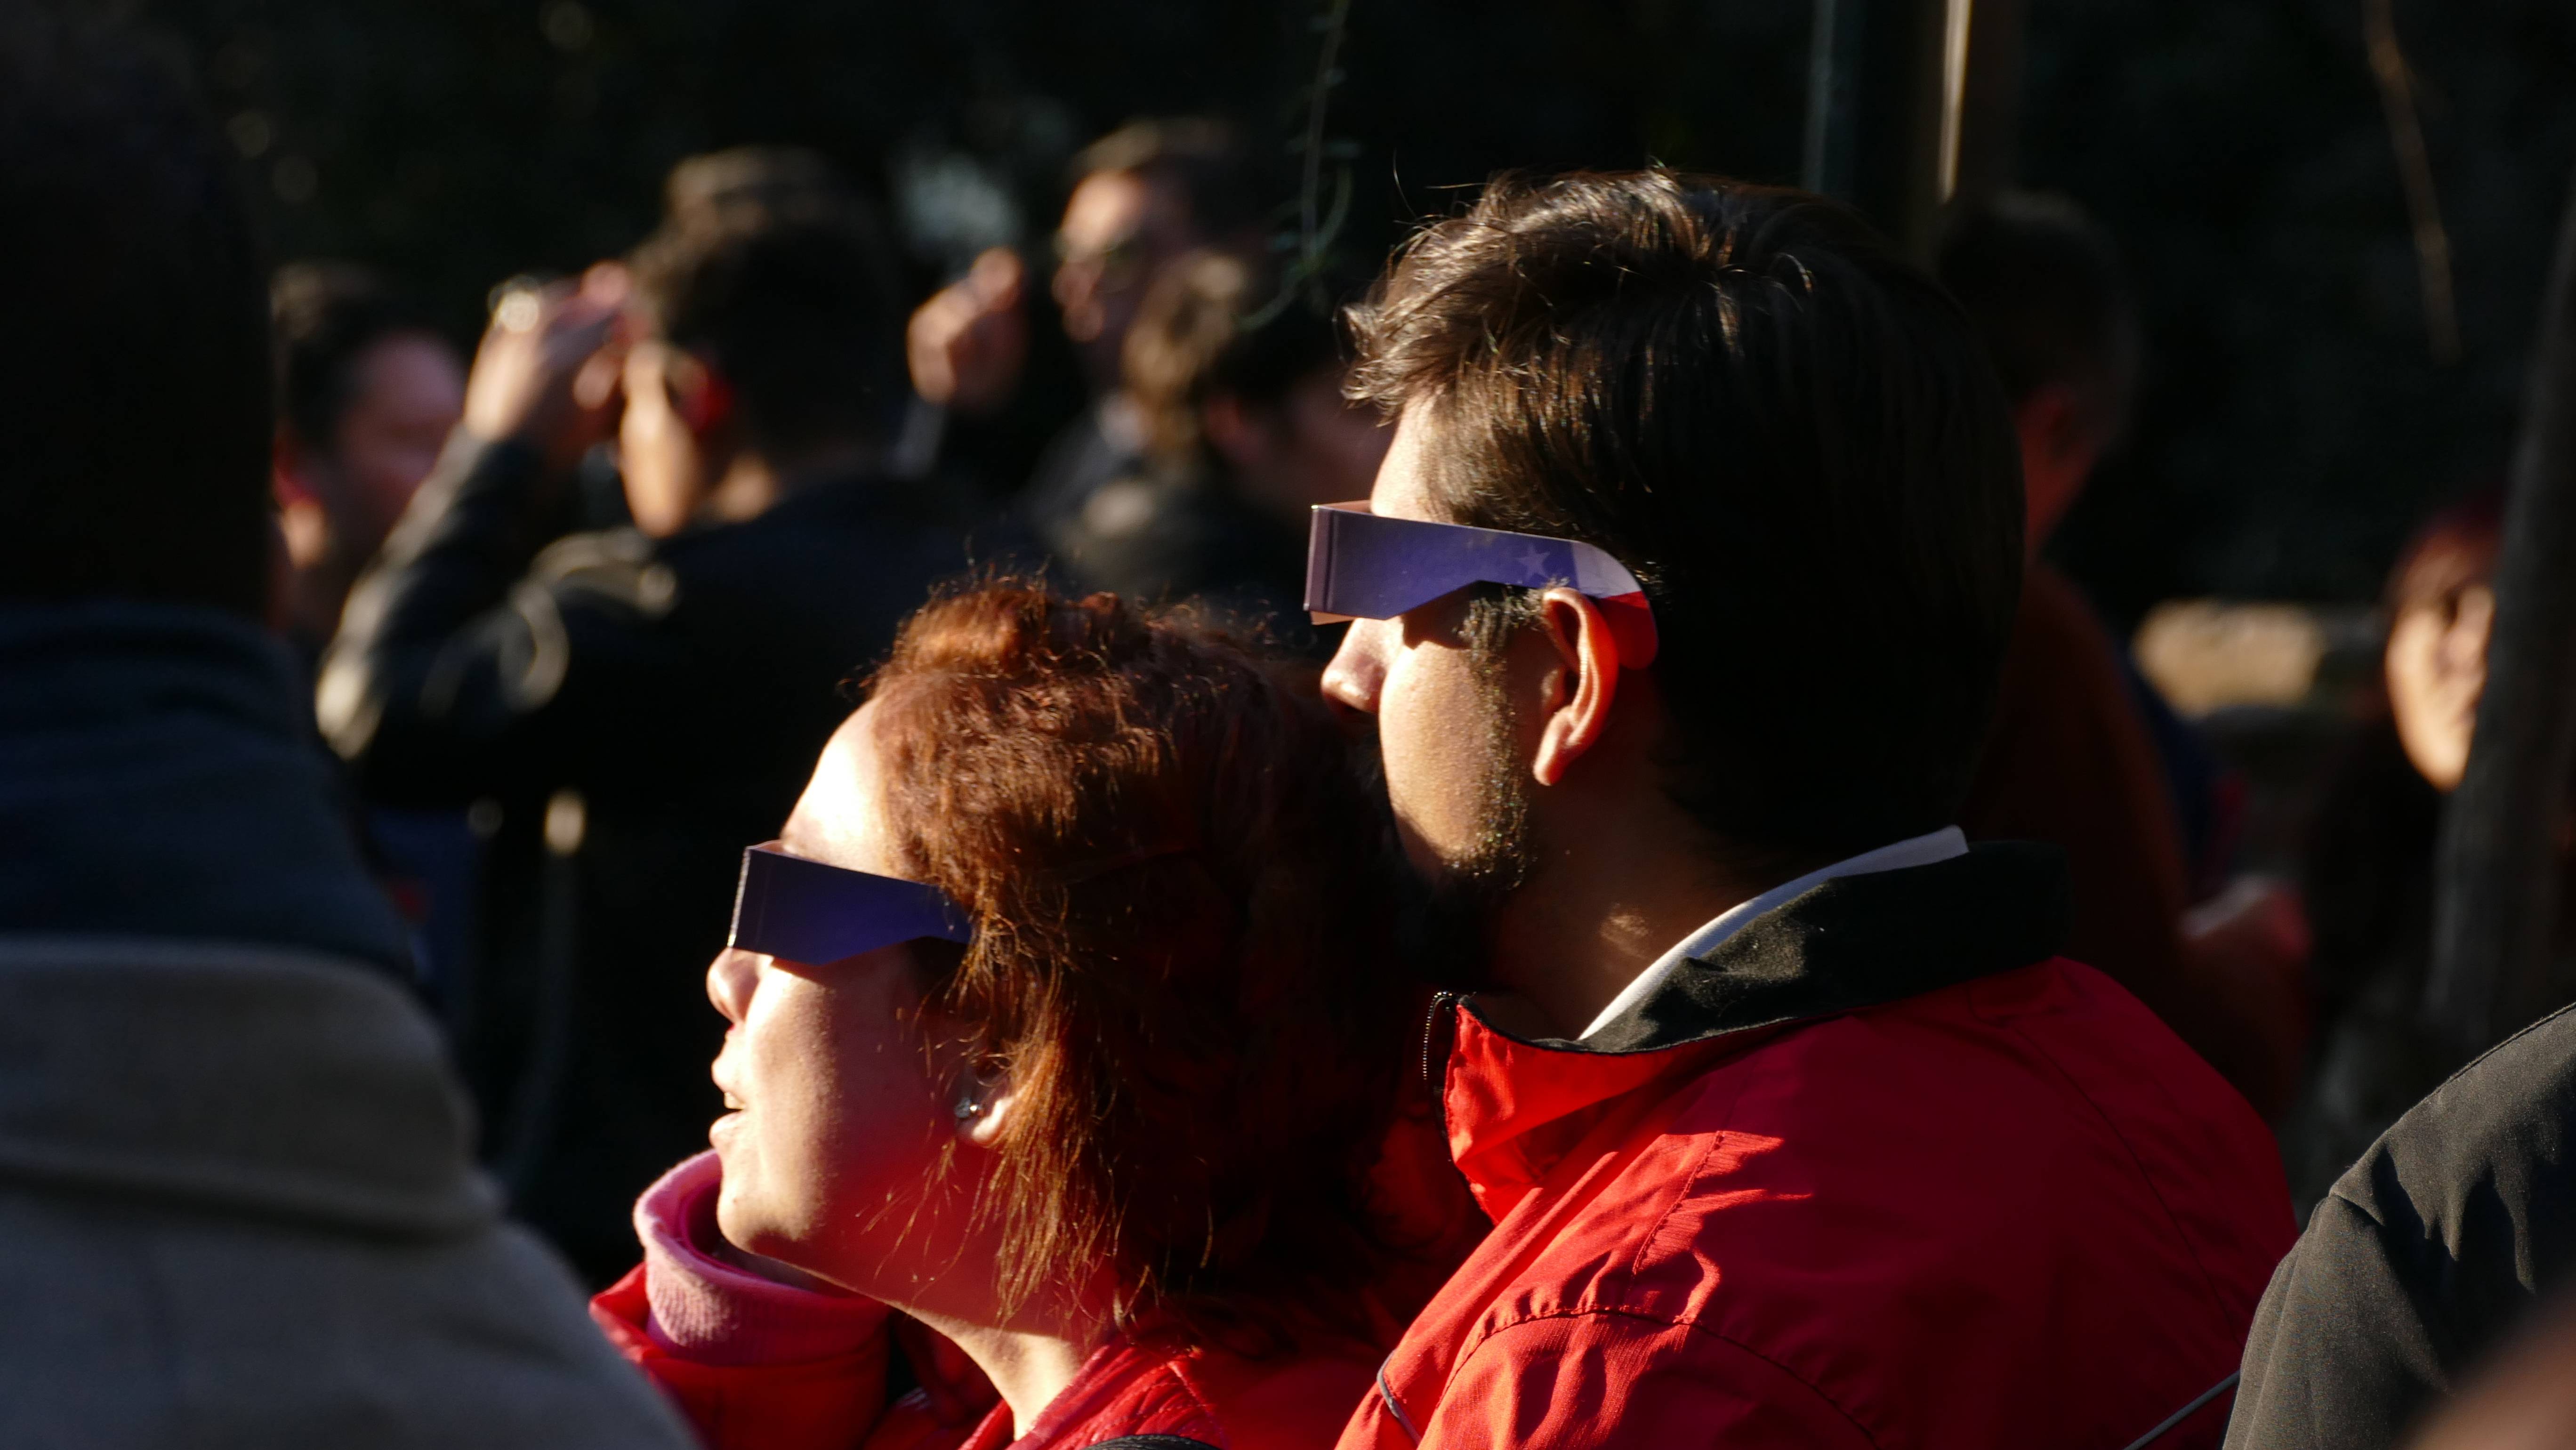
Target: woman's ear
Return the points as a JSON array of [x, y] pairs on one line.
[[986, 1097]]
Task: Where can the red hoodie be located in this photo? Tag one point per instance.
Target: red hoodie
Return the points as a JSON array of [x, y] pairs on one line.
[[758, 1365], [1878, 1171]]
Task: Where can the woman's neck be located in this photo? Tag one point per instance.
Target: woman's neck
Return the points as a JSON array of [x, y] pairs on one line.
[[1031, 1361]]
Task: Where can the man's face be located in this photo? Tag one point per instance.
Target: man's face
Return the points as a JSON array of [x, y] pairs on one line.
[[1456, 762], [1119, 230], [409, 391]]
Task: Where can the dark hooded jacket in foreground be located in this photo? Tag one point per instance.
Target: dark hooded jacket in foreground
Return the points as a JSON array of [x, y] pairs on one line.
[[238, 1202], [2427, 1255]]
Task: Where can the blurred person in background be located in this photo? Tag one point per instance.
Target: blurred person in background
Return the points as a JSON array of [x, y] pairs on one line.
[[2369, 872], [2083, 753], [1246, 430], [628, 706], [1144, 196], [238, 1202], [367, 393], [1117, 1134]]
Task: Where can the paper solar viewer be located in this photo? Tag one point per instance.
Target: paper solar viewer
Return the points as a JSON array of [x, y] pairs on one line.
[[807, 911], [1360, 565]]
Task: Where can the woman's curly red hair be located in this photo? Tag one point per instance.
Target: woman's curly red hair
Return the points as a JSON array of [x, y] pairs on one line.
[[1181, 876]]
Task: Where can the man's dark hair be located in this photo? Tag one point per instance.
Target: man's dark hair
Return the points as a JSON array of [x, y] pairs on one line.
[[2044, 285], [793, 294], [324, 317], [134, 389], [758, 178], [1206, 329], [1199, 157], [1786, 432]]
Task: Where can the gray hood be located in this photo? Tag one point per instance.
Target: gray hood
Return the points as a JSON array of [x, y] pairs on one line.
[[250, 1079]]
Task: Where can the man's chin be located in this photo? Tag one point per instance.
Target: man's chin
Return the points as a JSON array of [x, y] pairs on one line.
[[1450, 925]]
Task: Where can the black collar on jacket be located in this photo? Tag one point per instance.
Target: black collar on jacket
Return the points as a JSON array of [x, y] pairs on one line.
[[1859, 941]]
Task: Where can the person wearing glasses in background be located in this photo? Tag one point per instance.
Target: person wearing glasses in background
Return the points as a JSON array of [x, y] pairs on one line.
[[1143, 198], [1068, 1023]]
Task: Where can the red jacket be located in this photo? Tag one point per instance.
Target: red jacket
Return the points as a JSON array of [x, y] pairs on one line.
[[1877, 1172], [756, 1365]]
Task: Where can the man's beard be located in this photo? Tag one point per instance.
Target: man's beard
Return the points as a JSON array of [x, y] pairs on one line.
[[1500, 860], [1466, 890]]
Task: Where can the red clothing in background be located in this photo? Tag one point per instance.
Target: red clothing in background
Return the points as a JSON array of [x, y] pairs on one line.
[[2069, 762]]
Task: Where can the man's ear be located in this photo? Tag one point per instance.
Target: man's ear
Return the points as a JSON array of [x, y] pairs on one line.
[[985, 1101], [700, 394], [288, 466], [1583, 681]]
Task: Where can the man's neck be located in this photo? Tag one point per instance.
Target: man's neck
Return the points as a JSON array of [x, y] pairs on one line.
[[753, 484], [1593, 916]]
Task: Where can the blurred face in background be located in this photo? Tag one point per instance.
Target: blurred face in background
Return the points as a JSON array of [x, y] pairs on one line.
[[2437, 669], [1311, 446], [1119, 230], [410, 392], [406, 392]]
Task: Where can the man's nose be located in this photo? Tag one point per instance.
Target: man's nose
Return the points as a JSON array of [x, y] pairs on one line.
[[729, 982], [1358, 669]]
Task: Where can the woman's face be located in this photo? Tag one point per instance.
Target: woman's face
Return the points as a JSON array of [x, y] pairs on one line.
[[2437, 669], [840, 1105]]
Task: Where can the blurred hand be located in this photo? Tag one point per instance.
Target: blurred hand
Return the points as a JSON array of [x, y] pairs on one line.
[[967, 344], [547, 372]]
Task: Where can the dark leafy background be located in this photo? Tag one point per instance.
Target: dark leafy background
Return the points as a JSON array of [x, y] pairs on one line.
[[2293, 425]]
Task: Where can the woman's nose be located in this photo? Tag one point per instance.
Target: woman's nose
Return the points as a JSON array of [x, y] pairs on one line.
[[730, 979], [1357, 671]]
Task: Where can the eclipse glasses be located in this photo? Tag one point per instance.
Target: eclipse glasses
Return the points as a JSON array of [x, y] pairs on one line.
[[1361, 565], [807, 911]]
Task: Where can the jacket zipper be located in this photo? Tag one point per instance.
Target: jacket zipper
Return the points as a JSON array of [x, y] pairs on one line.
[[1440, 1002]]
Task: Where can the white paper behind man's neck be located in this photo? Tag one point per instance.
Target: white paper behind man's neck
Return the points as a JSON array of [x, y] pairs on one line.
[[1923, 850]]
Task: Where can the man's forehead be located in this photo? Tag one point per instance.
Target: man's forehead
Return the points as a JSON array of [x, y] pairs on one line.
[[1403, 487], [1105, 206]]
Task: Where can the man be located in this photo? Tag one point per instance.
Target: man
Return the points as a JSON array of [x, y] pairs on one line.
[[1246, 430], [237, 1197], [1144, 196], [1793, 1128], [2083, 753], [367, 394], [633, 705]]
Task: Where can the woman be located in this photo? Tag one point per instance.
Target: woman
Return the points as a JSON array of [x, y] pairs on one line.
[[1115, 1138], [2370, 868]]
